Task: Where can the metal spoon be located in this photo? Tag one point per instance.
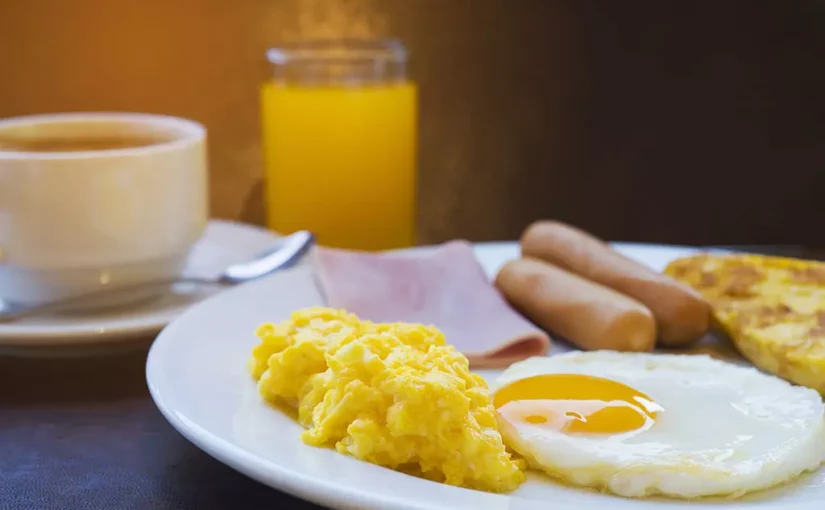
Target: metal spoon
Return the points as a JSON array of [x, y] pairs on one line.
[[285, 252]]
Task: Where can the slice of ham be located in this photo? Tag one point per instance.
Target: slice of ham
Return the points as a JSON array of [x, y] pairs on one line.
[[444, 286]]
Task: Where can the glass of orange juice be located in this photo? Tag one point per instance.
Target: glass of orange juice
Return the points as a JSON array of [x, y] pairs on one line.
[[339, 138]]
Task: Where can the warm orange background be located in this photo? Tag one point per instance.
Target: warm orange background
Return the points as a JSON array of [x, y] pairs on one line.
[[658, 121], [201, 59], [204, 59]]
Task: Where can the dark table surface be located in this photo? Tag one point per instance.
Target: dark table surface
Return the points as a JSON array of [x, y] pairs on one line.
[[83, 433], [80, 431]]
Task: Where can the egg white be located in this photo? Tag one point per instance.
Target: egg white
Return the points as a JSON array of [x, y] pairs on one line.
[[725, 429]]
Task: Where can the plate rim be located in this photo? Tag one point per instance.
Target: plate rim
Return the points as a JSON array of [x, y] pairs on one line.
[[290, 482]]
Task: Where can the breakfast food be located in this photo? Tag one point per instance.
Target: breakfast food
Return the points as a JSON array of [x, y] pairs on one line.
[[773, 309], [392, 394], [681, 314], [585, 313], [638, 424], [445, 286]]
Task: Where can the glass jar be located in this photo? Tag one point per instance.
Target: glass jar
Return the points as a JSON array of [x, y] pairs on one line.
[[339, 136]]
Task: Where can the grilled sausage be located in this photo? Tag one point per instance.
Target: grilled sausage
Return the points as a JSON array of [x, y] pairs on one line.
[[585, 313], [682, 315]]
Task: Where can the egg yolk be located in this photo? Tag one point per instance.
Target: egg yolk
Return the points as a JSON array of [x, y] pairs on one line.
[[577, 403]]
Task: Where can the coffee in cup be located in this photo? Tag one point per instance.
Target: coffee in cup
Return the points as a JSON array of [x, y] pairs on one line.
[[96, 200]]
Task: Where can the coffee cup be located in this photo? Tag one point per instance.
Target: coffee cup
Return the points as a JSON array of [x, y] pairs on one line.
[[97, 200]]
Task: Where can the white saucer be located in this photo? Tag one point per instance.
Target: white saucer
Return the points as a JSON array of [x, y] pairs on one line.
[[224, 243]]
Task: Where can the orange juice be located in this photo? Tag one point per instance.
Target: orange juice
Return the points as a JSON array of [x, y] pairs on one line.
[[341, 162]]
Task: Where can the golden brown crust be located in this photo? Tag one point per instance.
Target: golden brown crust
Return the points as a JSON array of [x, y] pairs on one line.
[[773, 309]]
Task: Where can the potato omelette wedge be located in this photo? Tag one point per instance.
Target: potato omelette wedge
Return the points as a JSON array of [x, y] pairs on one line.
[[773, 308]]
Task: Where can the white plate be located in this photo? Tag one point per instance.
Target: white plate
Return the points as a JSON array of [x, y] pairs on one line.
[[197, 375], [223, 243]]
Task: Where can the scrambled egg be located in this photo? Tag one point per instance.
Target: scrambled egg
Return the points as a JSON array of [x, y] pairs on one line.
[[392, 394]]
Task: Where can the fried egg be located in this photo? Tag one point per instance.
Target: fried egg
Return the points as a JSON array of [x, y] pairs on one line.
[[639, 424]]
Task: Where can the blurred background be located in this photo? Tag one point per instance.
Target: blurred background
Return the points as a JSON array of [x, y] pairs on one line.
[[680, 122]]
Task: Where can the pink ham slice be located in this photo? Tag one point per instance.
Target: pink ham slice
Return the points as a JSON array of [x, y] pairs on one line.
[[443, 286]]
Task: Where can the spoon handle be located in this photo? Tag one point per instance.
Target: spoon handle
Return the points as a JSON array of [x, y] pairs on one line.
[[280, 256], [101, 296], [283, 254]]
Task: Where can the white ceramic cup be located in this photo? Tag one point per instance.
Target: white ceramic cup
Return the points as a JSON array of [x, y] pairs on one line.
[[72, 222]]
